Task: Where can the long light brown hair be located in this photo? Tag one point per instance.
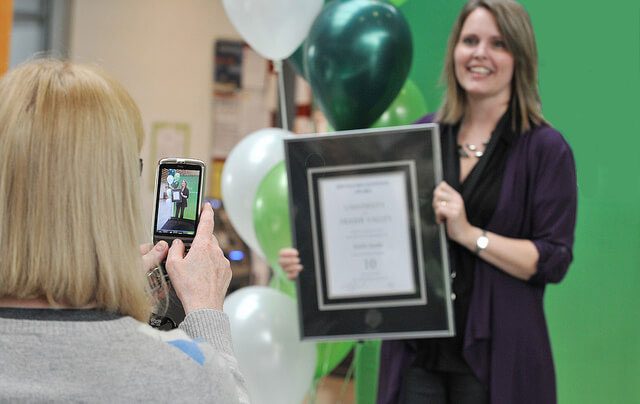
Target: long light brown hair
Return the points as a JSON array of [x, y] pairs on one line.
[[515, 26], [69, 189]]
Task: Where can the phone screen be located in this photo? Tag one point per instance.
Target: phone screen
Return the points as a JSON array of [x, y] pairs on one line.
[[178, 202]]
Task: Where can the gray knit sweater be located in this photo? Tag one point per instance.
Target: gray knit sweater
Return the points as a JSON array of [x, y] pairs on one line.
[[92, 356]]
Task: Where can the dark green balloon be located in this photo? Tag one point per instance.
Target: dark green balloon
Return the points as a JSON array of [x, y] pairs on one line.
[[296, 60], [357, 57]]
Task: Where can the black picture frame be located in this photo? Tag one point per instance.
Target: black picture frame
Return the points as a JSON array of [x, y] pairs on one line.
[[398, 168], [175, 195]]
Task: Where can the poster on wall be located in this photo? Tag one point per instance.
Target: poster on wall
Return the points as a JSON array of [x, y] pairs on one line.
[[241, 95], [376, 263]]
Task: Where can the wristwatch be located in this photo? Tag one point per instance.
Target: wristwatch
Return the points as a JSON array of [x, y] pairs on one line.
[[482, 242]]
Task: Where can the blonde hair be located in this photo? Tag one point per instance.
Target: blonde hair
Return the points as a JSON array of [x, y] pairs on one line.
[[69, 204], [515, 26]]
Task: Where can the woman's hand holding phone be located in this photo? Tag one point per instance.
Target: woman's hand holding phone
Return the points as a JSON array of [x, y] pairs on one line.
[[153, 255], [202, 277]]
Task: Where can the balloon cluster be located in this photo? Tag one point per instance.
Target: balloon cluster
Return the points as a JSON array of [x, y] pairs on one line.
[[356, 56], [266, 338], [257, 205], [173, 178], [242, 174]]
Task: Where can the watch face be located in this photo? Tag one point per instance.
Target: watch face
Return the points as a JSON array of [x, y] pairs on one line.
[[482, 242]]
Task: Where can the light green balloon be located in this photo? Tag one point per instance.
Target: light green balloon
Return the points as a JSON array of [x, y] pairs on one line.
[[367, 365], [329, 355], [397, 3], [271, 224], [407, 107], [271, 215]]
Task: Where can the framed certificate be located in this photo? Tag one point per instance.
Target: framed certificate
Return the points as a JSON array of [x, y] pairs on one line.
[[175, 195], [376, 263]]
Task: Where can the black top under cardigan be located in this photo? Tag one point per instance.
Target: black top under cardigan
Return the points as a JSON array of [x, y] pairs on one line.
[[480, 191]]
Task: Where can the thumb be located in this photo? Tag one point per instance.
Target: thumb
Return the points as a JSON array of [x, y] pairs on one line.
[[154, 256]]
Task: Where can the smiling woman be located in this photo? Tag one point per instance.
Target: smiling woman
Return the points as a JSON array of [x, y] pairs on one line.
[[509, 206], [508, 35], [483, 65]]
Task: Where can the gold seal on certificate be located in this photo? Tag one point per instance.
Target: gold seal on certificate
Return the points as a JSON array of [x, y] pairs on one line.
[[362, 222]]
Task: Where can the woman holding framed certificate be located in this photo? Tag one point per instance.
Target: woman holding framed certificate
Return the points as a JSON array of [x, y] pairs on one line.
[[509, 205]]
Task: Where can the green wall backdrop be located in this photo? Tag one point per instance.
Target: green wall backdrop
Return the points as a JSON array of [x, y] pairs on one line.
[[590, 85]]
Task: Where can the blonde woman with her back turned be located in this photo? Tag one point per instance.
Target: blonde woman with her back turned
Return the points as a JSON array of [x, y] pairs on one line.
[[74, 299]]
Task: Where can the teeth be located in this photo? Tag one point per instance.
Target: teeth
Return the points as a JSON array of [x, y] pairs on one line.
[[480, 70]]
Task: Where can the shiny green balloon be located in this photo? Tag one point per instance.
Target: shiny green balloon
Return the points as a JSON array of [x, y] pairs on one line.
[[397, 3], [408, 106], [296, 60], [357, 57], [367, 365], [271, 223], [271, 215], [329, 355]]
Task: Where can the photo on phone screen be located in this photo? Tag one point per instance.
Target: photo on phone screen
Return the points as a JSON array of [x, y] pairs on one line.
[[178, 200]]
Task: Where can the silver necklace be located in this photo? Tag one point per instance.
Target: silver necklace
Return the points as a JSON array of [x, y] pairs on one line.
[[473, 149]]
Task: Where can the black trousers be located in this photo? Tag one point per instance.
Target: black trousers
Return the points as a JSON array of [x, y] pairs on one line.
[[180, 210], [433, 387]]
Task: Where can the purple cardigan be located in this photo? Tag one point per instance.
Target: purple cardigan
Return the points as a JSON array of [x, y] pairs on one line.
[[506, 342]]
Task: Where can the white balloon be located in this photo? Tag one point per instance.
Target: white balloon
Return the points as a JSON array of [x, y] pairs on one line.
[[273, 28], [278, 367], [243, 171], [170, 179]]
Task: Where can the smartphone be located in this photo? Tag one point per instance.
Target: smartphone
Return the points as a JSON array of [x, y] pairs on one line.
[[178, 200]]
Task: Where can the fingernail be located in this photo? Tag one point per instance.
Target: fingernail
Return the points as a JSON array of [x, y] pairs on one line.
[[176, 241], [161, 246]]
